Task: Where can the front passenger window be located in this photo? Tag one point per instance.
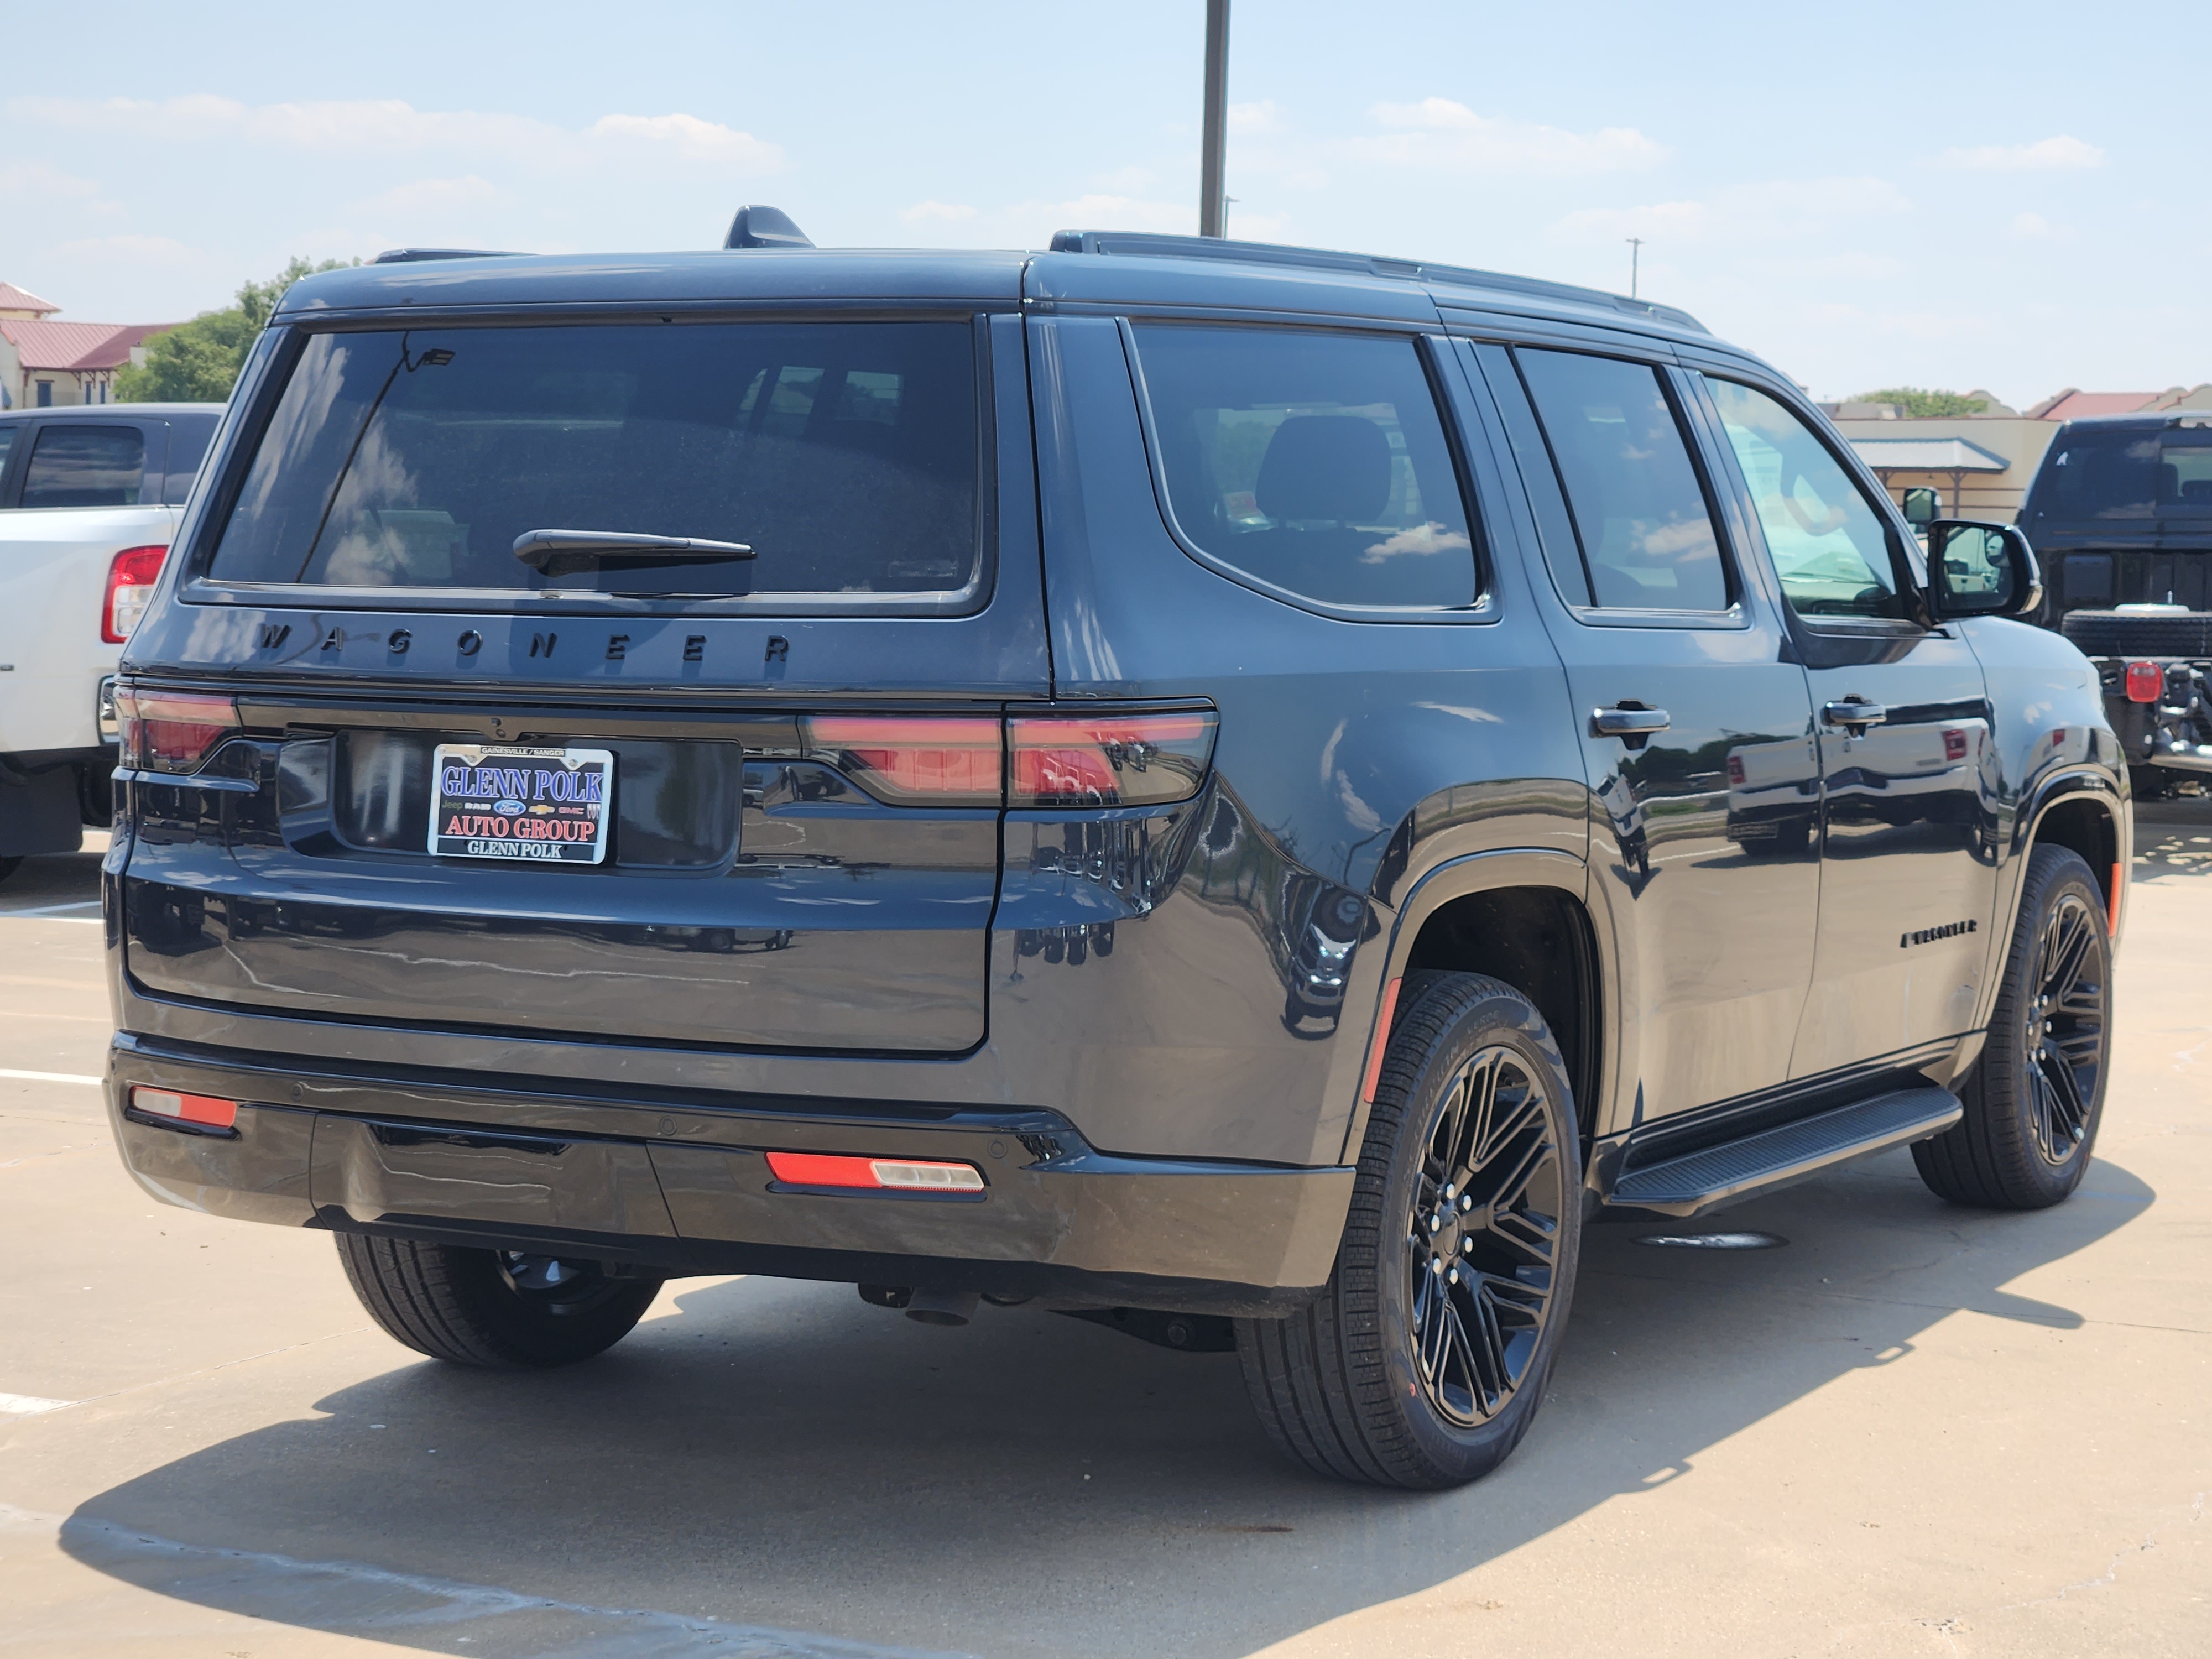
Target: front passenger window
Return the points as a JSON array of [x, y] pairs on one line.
[[1829, 547]]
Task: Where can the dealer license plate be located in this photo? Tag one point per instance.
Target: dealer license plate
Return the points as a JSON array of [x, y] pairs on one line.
[[549, 805]]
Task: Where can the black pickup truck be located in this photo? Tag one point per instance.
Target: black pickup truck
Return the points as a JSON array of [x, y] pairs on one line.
[[2121, 514]]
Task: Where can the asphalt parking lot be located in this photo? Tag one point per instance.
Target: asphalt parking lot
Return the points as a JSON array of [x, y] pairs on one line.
[[1915, 1430]]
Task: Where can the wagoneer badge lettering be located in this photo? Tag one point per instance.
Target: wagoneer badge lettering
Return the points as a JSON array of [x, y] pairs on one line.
[[1929, 935], [274, 635]]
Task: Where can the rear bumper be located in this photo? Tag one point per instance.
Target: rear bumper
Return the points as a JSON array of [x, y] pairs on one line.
[[681, 1185]]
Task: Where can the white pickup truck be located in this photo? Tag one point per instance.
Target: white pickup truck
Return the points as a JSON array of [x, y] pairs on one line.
[[89, 498]]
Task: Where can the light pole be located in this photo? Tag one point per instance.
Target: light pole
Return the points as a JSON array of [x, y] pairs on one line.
[[1212, 185], [1635, 249]]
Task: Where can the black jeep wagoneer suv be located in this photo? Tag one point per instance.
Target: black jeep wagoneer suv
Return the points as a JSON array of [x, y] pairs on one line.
[[1259, 790]]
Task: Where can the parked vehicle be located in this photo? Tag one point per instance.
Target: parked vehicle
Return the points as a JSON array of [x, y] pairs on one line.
[[2121, 510], [87, 500], [1181, 781]]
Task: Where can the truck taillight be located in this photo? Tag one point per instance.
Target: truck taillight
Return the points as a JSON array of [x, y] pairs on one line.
[[913, 760], [171, 731], [1107, 760], [2146, 681], [130, 576]]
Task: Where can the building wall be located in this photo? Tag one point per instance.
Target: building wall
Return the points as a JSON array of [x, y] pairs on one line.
[[2015, 439]]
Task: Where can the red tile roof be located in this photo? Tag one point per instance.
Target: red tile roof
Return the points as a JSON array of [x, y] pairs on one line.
[[84, 347], [2070, 403], [17, 299]]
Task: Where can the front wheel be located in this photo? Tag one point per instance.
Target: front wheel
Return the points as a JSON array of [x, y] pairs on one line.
[[1423, 1363], [2034, 1098], [495, 1309]]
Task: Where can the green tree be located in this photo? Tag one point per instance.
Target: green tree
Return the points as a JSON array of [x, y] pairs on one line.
[[1920, 403], [198, 361]]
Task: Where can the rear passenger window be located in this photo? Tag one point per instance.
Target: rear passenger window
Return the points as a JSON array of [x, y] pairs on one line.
[[1829, 547], [1315, 463], [86, 466], [1640, 515], [188, 442]]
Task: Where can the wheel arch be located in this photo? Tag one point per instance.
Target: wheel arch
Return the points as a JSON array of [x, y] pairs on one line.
[[1524, 916], [2087, 812]]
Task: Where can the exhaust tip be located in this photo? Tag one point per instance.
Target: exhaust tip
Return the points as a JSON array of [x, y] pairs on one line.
[[942, 1307]]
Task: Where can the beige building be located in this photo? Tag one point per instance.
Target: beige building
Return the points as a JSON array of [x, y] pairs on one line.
[[48, 364], [1980, 465]]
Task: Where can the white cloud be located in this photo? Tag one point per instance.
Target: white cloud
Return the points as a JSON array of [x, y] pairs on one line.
[[1441, 133], [1775, 212], [389, 126], [429, 197], [937, 212], [1262, 116], [694, 139], [2059, 154], [2031, 228], [31, 181]]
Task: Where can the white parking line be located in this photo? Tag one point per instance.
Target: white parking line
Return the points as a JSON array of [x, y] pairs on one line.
[[51, 1077], [29, 1404], [41, 916], [49, 909]]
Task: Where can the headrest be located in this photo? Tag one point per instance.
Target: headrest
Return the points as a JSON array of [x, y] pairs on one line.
[[1325, 466]]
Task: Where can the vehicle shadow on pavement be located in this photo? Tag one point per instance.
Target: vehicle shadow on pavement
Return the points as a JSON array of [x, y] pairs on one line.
[[772, 1457]]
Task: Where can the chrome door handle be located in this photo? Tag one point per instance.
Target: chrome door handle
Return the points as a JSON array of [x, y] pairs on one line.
[[1627, 722], [1853, 714]]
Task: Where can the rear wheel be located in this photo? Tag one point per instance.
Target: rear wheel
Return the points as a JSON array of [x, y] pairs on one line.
[[499, 1309], [2034, 1098], [1423, 1361]]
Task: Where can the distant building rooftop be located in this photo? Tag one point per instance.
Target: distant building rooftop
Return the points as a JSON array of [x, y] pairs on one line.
[[2073, 404], [21, 303], [1926, 455], [41, 344]]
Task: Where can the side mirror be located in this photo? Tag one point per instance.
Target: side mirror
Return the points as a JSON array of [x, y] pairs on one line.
[[1921, 506], [1981, 570]]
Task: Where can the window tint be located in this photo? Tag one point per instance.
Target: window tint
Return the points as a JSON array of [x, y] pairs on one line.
[[2100, 474], [86, 466], [843, 453], [2185, 473], [1647, 536], [7, 437], [1828, 544], [1555, 531], [1314, 462], [188, 442]]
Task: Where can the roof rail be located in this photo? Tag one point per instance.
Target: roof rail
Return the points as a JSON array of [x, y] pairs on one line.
[[408, 256], [1365, 265]]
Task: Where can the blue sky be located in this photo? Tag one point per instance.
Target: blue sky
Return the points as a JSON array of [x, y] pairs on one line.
[[2007, 195]]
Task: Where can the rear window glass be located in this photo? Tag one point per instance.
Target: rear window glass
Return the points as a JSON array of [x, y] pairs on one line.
[[1647, 536], [1314, 462], [7, 437], [86, 466], [844, 454], [2101, 475], [188, 442]]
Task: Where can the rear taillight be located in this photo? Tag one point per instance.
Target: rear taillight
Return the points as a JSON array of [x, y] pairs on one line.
[[130, 576], [2146, 681], [171, 731], [926, 760], [1735, 770], [1122, 760]]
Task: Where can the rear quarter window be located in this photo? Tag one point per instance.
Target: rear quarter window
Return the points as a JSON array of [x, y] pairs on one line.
[[1315, 462], [844, 454], [86, 466]]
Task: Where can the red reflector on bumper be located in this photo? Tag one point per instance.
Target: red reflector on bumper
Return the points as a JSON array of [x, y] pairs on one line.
[[898, 1175], [2145, 681], [216, 1113]]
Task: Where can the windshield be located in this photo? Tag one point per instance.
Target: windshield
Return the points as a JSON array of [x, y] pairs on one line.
[[2128, 473], [843, 453]]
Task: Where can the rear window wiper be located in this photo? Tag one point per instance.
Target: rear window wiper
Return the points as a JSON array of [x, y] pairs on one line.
[[564, 552]]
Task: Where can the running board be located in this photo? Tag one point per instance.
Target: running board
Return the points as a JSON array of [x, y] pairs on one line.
[[1701, 1180]]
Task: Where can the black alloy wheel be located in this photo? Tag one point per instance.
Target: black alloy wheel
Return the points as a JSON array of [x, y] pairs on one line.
[[1425, 1357], [1484, 1237], [2034, 1098], [496, 1309]]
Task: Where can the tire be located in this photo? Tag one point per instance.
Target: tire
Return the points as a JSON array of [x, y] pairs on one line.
[[492, 1309], [2138, 634], [1341, 1386], [2036, 1096]]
